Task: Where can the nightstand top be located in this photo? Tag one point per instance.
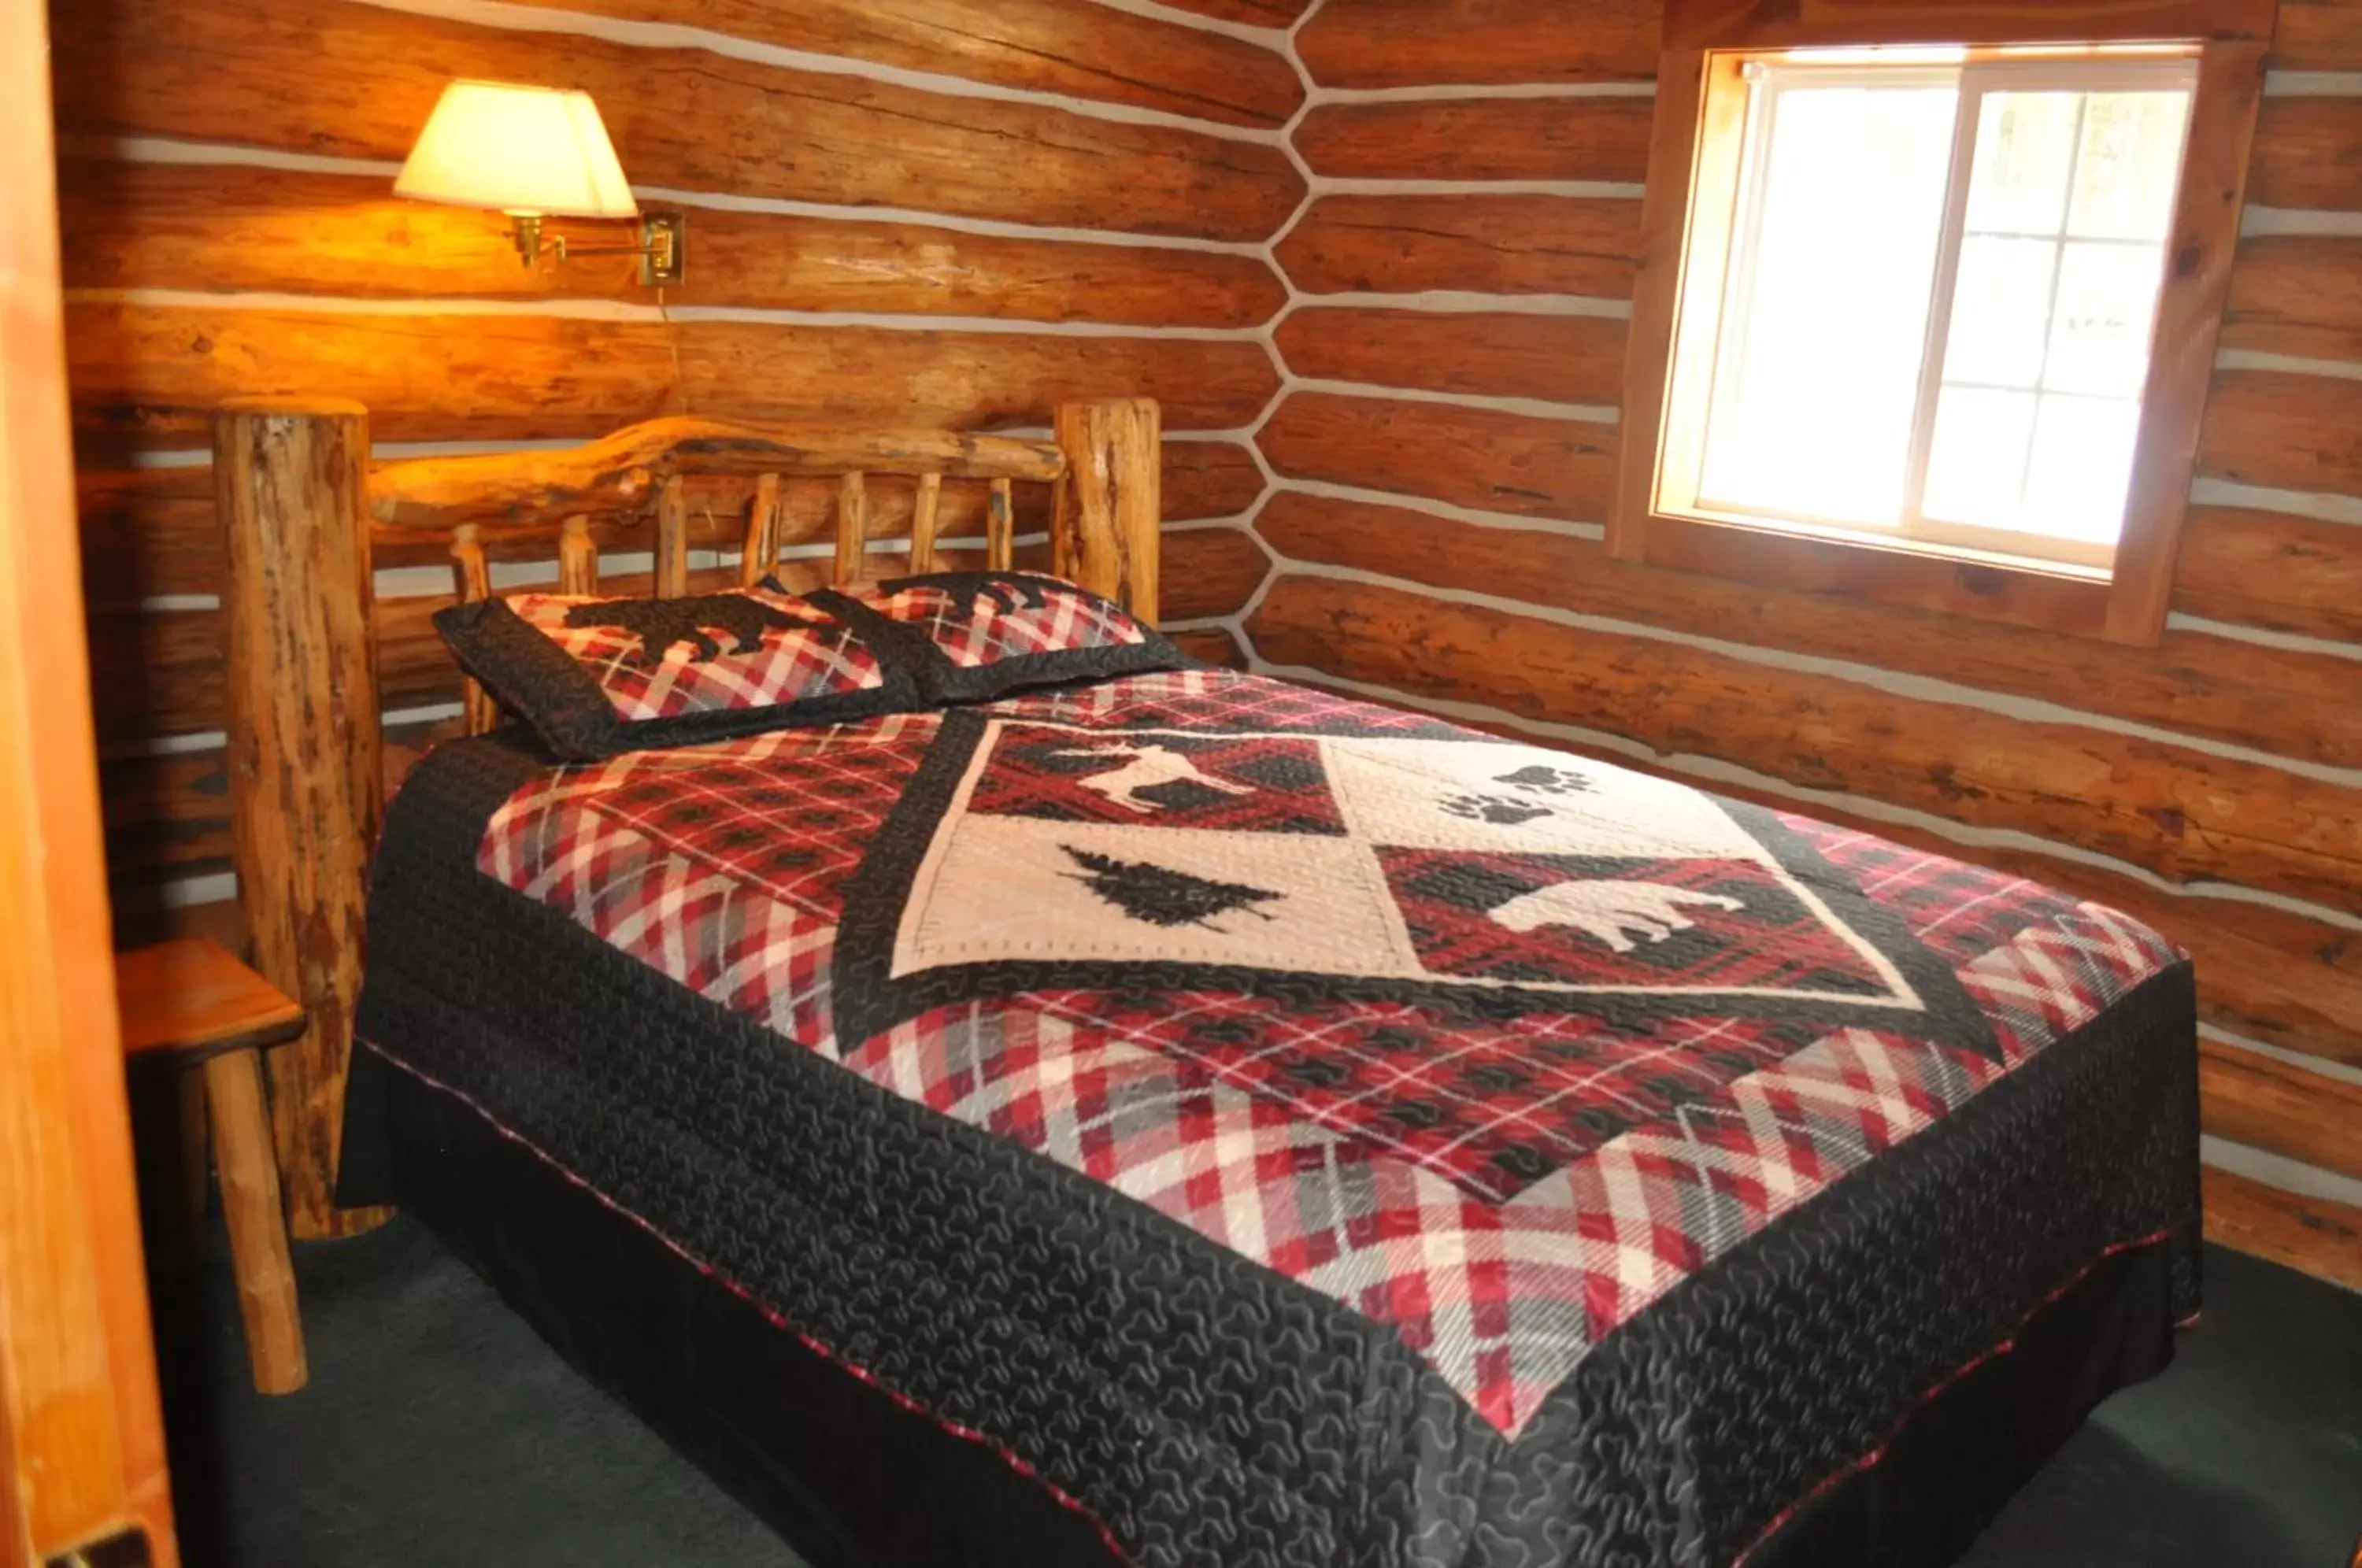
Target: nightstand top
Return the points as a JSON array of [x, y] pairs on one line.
[[192, 994]]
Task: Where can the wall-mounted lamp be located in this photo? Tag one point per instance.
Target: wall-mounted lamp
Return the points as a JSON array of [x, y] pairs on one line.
[[535, 152]]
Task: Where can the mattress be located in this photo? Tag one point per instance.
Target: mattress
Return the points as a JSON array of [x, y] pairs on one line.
[[1286, 1129]]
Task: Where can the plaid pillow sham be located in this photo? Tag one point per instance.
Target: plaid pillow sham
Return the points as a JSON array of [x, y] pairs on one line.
[[595, 677], [971, 636]]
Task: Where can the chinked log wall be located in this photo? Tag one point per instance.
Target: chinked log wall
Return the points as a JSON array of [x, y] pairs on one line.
[[915, 212], [1445, 448], [1376, 256]]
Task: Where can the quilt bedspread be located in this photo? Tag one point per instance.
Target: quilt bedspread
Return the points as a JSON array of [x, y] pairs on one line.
[[1488, 1046], [1492, 1045]]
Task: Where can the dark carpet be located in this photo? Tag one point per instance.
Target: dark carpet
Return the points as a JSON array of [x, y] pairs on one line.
[[437, 1429]]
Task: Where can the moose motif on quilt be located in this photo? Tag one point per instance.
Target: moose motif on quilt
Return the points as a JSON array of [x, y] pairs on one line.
[[1149, 768], [661, 622]]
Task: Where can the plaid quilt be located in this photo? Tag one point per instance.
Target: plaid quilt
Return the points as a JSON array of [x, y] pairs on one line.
[[1491, 1044]]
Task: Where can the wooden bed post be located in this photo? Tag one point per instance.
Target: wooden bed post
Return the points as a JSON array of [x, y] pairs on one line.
[[1103, 532], [306, 772]]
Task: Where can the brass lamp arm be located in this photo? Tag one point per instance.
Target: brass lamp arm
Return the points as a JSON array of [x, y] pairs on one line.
[[565, 249], [662, 258]]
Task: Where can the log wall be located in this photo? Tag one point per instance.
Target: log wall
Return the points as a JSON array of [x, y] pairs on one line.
[[1444, 449], [943, 212], [1375, 258]]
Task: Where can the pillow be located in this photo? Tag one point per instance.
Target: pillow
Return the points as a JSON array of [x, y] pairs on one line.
[[968, 635], [599, 676]]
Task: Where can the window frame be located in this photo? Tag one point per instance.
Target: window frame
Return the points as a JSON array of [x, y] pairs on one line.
[[1691, 210]]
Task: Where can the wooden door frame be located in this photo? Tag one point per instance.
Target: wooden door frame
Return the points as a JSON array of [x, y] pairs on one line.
[[79, 1413]]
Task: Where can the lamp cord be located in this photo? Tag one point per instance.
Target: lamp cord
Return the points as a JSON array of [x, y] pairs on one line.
[[672, 341]]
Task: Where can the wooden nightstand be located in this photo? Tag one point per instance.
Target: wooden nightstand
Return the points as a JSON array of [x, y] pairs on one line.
[[191, 999]]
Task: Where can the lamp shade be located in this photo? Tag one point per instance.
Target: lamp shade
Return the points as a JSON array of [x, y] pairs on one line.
[[521, 150]]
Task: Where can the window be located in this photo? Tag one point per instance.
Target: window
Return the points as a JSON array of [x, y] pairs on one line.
[[1939, 323], [1940, 292]]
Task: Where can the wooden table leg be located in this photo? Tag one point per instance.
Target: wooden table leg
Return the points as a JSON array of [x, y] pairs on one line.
[[248, 1171]]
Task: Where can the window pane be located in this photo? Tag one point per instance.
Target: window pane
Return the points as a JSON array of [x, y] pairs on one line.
[[2107, 306], [2081, 469], [1828, 326], [1976, 467], [2025, 151], [2000, 309], [2129, 165]]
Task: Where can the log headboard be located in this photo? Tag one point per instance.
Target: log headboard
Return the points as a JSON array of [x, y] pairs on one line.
[[301, 504]]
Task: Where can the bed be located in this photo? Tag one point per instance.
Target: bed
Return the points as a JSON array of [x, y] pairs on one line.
[[1187, 1118]]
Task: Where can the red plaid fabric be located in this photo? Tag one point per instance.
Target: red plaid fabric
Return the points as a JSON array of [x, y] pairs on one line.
[[719, 865], [1358, 1148], [1491, 1108], [1007, 617], [808, 657]]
